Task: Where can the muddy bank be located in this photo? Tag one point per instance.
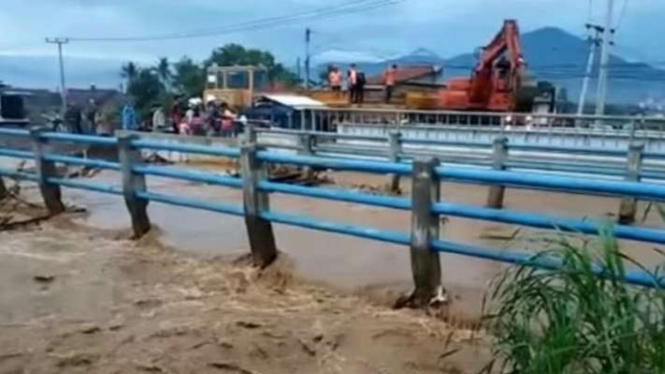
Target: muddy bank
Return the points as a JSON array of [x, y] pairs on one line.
[[80, 300]]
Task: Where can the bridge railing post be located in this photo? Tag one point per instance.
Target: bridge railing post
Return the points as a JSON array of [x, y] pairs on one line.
[[628, 207], [3, 190], [306, 145], [425, 263], [259, 230], [496, 193], [249, 134], [132, 183], [46, 169], [394, 149]]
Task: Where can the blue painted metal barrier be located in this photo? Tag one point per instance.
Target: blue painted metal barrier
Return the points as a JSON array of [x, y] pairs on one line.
[[509, 178]]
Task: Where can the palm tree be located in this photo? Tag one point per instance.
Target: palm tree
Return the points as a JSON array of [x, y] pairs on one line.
[[129, 72], [164, 72]]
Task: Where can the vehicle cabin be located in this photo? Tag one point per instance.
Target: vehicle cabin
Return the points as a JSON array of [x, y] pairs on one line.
[[287, 111], [12, 108], [235, 85]]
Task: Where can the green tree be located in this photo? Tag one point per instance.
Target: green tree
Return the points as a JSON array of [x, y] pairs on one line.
[[235, 54], [189, 78], [146, 89], [129, 71], [163, 69]]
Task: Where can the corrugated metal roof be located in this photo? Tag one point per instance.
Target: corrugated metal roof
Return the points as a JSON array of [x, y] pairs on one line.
[[295, 101]]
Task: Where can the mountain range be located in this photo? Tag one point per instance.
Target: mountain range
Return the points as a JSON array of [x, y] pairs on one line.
[[552, 55]]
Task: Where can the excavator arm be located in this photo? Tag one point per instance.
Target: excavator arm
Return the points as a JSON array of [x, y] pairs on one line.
[[507, 40]]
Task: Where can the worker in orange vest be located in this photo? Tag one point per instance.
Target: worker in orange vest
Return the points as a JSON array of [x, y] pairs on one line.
[[389, 77], [335, 80]]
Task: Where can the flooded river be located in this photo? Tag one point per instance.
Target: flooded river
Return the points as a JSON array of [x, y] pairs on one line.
[[346, 262], [351, 262]]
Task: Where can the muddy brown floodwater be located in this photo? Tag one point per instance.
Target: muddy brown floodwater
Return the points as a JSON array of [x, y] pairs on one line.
[[352, 263], [358, 264], [75, 299]]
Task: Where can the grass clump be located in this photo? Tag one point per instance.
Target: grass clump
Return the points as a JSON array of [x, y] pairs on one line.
[[572, 320]]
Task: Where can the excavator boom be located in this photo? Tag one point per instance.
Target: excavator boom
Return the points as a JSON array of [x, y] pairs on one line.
[[494, 79]]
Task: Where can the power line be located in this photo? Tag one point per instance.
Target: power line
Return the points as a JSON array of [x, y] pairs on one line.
[[622, 14], [324, 12]]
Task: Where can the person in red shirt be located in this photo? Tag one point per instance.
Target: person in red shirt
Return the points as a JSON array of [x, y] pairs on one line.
[[389, 76]]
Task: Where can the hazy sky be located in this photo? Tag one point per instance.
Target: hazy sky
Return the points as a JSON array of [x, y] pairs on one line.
[[447, 27]]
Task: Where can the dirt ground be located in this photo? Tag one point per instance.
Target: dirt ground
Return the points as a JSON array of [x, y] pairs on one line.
[[76, 299]]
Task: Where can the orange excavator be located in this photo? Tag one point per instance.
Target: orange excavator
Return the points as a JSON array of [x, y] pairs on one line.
[[495, 80]]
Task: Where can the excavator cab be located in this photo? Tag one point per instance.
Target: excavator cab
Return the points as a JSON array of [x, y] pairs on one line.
[[494, 81], [235, 85]]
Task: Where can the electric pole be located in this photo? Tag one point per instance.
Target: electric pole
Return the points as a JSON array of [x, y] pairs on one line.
[[594, 42], [308, 39], [299, 68], [63, 89], [604, 60]]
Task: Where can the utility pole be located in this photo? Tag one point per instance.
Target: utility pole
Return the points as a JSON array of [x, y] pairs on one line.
[[604, 60], [63, 89], [298, 68], [308, 39], [594, 42]]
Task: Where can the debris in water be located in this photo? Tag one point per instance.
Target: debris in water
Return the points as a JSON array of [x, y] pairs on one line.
[[90, 329], [74, 359], [44, 278], [229, 367], [248, 325]]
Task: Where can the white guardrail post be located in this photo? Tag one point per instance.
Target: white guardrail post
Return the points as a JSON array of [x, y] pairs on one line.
[[628, 208], [132, 183], [46, 169], [260, 232], [395, 149], [425, 263], [496, 193]]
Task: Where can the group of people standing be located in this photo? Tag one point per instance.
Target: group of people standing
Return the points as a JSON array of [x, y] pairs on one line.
[[356, 81], [196, 119], [82, 120]]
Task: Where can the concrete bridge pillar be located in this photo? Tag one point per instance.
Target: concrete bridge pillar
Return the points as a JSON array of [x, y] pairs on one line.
[[395, 149], [259, 230], [45, 170], [3, 190], [425, 227], [496, 194], [133, 183], [628, 207]]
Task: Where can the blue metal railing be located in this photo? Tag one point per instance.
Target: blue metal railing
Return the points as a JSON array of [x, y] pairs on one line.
[[507, 178]]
